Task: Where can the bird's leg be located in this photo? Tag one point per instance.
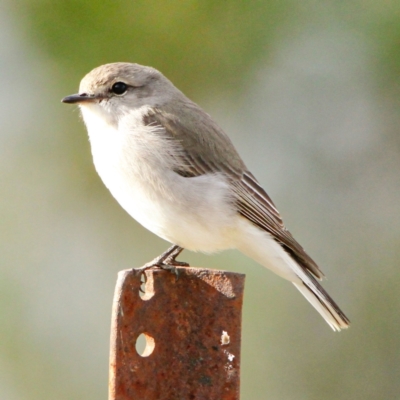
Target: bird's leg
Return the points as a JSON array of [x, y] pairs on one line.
[[166, 260], [170, 257]]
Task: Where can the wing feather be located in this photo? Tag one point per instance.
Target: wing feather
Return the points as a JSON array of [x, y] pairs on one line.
[[255, 204]]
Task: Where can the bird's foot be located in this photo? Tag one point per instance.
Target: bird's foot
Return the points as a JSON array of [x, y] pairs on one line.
[[166, 261]]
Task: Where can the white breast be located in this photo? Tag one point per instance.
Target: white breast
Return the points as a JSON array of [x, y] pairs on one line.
[[136, 166]]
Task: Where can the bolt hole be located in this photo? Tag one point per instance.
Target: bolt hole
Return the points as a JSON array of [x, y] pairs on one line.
[[142, 290], [146, 291], [145, 345]]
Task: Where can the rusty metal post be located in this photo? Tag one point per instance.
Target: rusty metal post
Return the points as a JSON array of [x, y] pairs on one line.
[[192, 325]]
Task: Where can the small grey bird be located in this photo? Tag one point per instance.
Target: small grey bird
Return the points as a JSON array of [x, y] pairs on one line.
[[174, 170]]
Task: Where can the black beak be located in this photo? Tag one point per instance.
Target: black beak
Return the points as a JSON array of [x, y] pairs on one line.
[[79, 98]]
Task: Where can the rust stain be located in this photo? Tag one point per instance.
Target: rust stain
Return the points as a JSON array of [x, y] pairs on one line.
[[192, 325]]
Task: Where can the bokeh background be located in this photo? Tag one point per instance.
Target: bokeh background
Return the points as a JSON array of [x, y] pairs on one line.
[[309, 93]]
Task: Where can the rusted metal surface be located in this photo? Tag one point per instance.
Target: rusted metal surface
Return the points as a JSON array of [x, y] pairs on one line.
[[192, 324]]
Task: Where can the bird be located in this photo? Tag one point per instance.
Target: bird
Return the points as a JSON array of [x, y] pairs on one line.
[[175, 171]]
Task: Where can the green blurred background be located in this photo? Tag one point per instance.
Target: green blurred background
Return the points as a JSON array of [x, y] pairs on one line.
[[309, 93]]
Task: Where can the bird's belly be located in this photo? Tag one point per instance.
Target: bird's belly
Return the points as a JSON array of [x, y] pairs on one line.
[[194, 213]]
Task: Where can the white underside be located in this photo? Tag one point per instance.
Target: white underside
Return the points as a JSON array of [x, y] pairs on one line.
[[184, 211]]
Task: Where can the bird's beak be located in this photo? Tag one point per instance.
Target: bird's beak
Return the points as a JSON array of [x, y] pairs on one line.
[[80, 98]]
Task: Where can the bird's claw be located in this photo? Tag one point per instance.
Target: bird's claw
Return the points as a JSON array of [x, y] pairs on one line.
[[166, 261]]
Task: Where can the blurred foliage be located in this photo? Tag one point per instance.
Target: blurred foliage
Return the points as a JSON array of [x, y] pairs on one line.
[[202, 46], [197, 44], [332, 145]]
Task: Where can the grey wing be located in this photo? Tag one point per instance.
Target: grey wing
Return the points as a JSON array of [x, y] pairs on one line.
[[255, 204], [207, 149], [198, 158]]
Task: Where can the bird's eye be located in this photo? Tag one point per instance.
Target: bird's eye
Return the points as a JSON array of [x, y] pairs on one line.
[[119, 88]]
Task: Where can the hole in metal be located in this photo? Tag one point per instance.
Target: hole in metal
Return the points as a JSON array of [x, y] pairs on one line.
[[145, 344], [146, 291]]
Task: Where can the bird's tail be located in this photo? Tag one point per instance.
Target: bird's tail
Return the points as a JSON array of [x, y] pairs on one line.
[[263, 248], [323, 303]]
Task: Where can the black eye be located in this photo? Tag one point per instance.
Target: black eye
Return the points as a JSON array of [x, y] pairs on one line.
[[119, 88]]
